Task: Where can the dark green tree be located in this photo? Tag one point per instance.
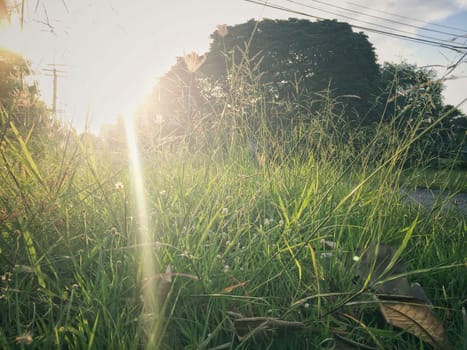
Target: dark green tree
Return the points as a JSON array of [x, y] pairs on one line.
[[20, 100], [449, 137], [412, 97], [282, 70], [319, 55], [409, 92]]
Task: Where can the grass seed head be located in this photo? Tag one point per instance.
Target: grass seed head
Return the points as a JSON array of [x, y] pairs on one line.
[[222, 30], [193, 61]]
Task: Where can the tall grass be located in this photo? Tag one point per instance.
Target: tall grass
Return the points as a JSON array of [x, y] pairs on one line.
[[242, 230]]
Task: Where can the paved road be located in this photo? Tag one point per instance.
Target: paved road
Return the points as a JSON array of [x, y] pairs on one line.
[[435, 198]]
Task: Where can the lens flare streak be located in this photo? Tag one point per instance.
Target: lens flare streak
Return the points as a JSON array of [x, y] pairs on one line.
[[147, 268]]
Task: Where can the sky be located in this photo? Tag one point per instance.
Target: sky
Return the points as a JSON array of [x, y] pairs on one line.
[[112, 52]]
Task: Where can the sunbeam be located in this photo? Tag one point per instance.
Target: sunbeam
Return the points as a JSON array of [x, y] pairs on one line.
[[147, 266]]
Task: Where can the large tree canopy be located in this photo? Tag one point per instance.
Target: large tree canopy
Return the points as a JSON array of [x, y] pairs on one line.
[[289, 60], [273, 73], [321, 55]]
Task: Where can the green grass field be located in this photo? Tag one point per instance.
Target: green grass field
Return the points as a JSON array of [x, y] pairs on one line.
[[204, 244], [249, 267]]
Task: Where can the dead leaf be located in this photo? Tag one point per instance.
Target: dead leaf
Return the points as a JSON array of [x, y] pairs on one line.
[[235, 286], [373, 263], [464, 318], [343, 343], [165, 283], [247, 326], [414, 316], [329, 245]]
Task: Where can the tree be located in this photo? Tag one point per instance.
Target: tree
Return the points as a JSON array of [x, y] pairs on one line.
[[320, 55], [20, 100], [412, 97], [271, 69], [408, 91], [13, 68]]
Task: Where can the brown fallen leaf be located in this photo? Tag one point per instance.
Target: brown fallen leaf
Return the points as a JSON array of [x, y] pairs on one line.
[[343, 343], [329, 245], [164, 282], [229, 289], [414, 316], [246, 326], [374, 261]]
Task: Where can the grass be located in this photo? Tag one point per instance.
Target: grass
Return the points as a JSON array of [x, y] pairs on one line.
[[452, 180], [250, 235], [242, 236]]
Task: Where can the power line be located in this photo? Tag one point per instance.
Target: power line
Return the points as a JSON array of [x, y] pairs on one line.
[[406, 17], [430, 42], [388, 19], [366, 22]]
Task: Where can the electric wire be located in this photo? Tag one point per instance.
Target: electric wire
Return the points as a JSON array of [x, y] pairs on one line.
[[408, 18], [420, 40], [387, 19], [366, 22]]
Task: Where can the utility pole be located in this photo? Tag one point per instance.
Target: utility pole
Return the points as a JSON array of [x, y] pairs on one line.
[[55, 74]]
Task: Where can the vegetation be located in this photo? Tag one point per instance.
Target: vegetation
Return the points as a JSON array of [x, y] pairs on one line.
[[19, 99], [253, 228], [291, 72]]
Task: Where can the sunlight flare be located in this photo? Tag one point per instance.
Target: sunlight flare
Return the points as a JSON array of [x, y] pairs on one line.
[[147, 269]]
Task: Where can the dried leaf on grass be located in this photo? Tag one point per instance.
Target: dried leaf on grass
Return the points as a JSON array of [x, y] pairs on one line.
[[165, 282], [414, 316], [229, 289], [247, 326], [378, 262], [464, 318], [328, 245], [343, 343]]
